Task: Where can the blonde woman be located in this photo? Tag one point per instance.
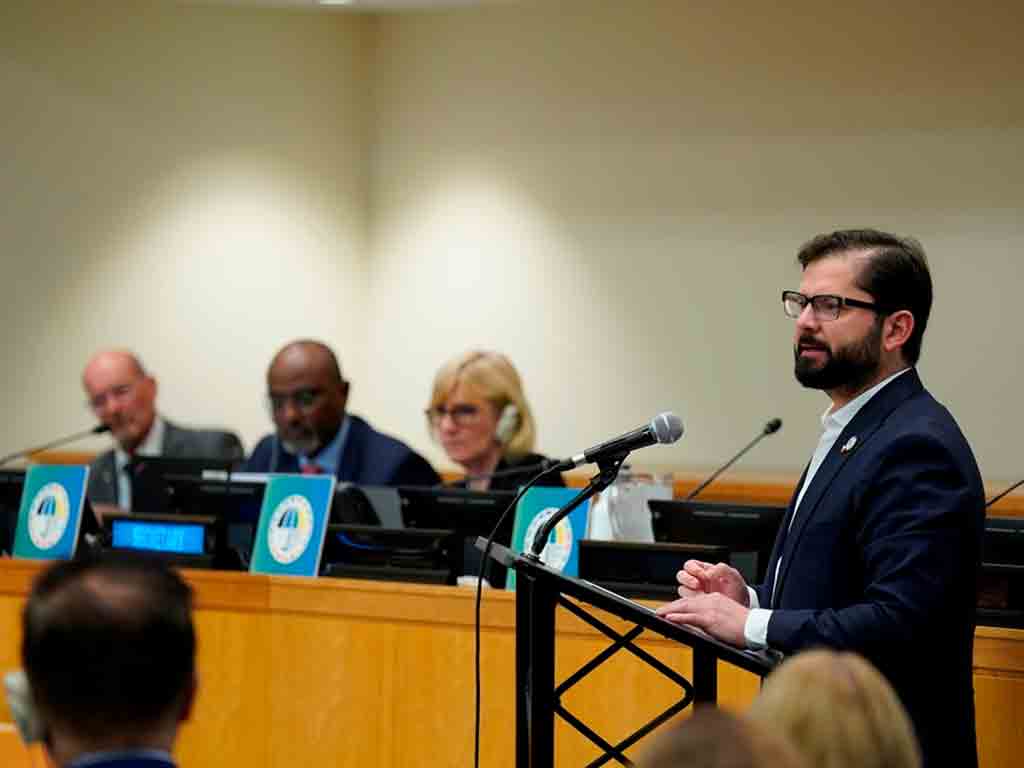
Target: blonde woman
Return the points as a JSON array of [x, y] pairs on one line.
[[479, 414], [839, 711]]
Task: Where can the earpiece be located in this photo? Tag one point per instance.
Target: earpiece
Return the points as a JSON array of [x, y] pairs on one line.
[[19, 699], [508, 424]]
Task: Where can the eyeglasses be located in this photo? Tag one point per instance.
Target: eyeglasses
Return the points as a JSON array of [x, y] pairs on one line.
[[825, 306], [119, 392], [303, 399], [461, 414]]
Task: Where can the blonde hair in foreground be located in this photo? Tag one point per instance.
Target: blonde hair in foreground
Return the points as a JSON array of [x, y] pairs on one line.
[[714, 738], [492, 377], [839, 711]]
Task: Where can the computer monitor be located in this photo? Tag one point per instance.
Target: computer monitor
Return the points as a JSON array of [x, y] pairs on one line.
[[473, 513], [12, 482], [1000, 598], [470, 514], [641, 569], [747, 530], [151, 477], [423, 555], [235, 499]]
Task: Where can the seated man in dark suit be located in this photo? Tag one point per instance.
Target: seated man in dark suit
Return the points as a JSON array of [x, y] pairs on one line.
[[315, 435], [108, 651], [123, 396]]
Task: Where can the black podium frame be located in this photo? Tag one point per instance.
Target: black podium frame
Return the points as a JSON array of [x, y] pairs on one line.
[[539, 591]]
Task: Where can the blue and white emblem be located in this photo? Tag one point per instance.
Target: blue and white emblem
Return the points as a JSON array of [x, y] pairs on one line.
[[49, 514], [290, 530], [558, 549]]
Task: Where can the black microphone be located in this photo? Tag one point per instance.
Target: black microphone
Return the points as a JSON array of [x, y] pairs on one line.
[[99, 429], [770, 428], [996, 498], [663, 429]]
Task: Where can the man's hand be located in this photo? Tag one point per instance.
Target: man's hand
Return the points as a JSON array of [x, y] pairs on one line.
[[699, 578], [720, 616]]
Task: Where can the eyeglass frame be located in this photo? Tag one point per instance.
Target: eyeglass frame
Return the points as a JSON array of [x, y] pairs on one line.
[[461, 414], [842, 301], [277, 401]]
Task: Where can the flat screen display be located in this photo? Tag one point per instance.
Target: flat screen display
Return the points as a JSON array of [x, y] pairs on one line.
[[176, 538]]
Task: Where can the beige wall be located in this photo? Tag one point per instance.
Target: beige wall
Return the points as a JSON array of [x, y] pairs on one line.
[[188, 182], [611, 193], [614, 194]]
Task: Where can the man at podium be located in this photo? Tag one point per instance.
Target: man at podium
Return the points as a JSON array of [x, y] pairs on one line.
[[880, 548]]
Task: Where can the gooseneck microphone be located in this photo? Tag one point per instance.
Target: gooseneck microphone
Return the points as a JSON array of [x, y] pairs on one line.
[[663, 429], [997, 497], [523, 470], [99, 429], [770, 428]]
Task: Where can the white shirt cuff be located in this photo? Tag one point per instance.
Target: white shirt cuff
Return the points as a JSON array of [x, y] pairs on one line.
[[752, 601], [755, 630]]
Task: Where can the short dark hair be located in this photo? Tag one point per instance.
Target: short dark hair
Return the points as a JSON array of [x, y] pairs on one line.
[[895, 274], [108, 644]]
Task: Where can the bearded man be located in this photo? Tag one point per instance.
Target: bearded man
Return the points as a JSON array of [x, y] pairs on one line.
[[880, 549]]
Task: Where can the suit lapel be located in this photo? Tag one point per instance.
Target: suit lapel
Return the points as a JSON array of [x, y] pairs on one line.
[[172, 440], [350, 464], [851, 439], [780, 537]]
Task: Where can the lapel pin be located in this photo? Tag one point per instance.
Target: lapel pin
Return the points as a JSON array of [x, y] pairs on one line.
[[849, 445]]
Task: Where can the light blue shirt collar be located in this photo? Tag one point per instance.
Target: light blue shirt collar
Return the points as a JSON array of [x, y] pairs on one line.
[[329, 457]]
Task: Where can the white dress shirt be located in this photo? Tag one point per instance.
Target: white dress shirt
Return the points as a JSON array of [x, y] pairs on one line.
[[153, 445]]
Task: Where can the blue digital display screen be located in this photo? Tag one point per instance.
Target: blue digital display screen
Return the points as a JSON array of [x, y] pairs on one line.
[[178, 538]]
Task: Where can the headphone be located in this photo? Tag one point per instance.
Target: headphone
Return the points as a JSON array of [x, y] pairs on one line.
[[508, 424]]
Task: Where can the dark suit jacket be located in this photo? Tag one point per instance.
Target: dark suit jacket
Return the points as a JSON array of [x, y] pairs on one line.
[[178, 443], [368, 458], [883, 558]]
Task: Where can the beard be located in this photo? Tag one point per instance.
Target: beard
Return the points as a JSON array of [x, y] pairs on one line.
[[303, 444], [849, 367]]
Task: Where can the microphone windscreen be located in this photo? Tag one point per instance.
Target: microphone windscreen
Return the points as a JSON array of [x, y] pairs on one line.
[[773, 426], [667, 427]]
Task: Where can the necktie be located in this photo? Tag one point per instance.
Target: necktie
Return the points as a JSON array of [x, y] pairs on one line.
[[312, 468]]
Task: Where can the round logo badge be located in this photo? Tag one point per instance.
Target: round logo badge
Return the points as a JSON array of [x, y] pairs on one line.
[[559, 546], [48, 515], [291, 528]]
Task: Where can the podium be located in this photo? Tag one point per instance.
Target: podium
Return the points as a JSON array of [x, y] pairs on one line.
[[539, 591]]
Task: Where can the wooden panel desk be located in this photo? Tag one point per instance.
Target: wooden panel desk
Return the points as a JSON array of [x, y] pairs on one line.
[[358, 673]]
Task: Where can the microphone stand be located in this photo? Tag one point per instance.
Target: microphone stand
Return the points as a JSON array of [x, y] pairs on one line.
[[608, 470], [732, 461], [54, 443], [994, 499]]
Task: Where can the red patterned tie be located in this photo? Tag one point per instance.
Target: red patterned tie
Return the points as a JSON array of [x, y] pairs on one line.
[[312, 468]]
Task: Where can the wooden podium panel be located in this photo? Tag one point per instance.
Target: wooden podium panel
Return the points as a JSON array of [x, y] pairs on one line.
[[356, 673]]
